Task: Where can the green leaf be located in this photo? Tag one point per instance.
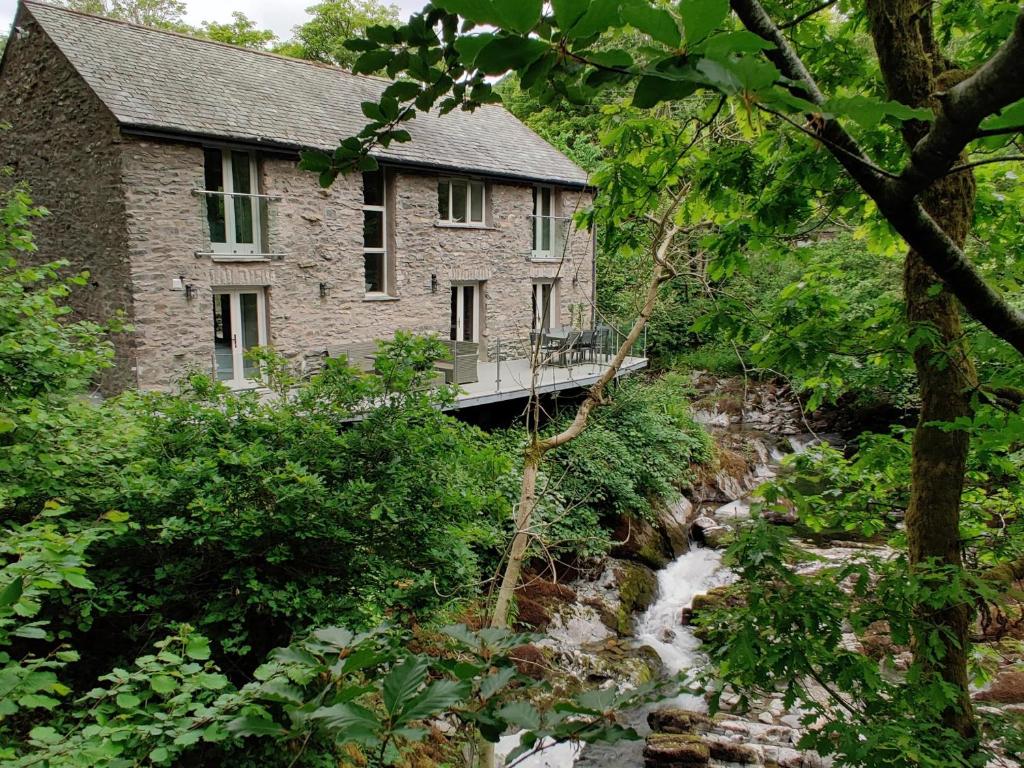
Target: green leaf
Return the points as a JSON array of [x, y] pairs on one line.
[[162, 683], [652, 89], [312, 160], [402, 682], [480, 11], [348, 722], [614, 57], [372, 61], [368, 163], [656, 22], [506, 53], [494, 683], [159, 755], [337, 637], [127, 700], [469, 47], [403, 90], [78, 580], [599, 16], [701, 17], [522, 714], [371, 109], [254, 725], [518, 15], [868, 112], [1011, 117], [12, 592], [197, 647], [568, 12], [437, 697]]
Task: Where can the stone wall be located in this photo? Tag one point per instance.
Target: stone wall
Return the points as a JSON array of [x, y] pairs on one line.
[[65, 144], [316, 236]]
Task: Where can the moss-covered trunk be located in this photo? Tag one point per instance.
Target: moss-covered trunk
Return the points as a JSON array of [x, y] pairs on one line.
[[915, 71]]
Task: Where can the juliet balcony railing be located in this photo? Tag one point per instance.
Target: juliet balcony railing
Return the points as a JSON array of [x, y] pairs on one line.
[[237, 225], [550, 236]]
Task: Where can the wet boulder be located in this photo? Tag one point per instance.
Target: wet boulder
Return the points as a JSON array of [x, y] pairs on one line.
[[673, 520], [633, 538], [675, 750], [678, 720], [638, 587]]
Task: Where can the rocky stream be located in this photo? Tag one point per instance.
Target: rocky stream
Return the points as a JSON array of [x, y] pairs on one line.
[[626, 622]]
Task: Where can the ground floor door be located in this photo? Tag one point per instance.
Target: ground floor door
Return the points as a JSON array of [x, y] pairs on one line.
[[465, 317], [239, 325]]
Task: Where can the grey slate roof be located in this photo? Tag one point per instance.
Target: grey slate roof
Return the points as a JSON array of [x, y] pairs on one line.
[[162, 81]]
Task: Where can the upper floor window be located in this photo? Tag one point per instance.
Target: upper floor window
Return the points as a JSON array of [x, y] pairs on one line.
[[460, 201], [543, 223], [375, 249], [232, 201]]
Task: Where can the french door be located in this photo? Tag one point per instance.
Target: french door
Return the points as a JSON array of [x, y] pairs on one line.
[[545, 305], [465, 312], [239, 325]]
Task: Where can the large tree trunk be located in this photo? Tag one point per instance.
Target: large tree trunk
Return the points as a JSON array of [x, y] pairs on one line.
[[914, 72]]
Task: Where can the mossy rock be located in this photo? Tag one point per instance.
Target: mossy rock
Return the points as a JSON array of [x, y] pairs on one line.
[[638, 587], [675, 750], [678, 720], [633, 538]]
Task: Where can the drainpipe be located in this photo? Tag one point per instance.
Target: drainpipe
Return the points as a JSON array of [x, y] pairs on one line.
[[593, 276]]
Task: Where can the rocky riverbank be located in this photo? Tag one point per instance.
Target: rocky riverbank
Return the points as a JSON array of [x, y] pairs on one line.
[[626, 620]]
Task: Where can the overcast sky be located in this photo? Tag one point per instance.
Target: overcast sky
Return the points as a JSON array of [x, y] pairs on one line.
[[278, 15]]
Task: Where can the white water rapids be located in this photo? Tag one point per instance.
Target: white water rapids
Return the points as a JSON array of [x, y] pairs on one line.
[[660, 627]]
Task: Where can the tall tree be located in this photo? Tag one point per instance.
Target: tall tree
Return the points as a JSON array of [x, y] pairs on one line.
[[164, 14], [323, 37], [241, 31]]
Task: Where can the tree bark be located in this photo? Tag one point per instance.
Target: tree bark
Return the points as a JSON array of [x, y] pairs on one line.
[[914, 70]]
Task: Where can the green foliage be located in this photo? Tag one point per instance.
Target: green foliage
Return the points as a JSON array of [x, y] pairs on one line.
[[162, 14], [241, 31], [787, 634], [323, 37], [637, 449]]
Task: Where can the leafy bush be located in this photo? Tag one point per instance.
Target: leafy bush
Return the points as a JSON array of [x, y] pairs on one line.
[[639, 448]]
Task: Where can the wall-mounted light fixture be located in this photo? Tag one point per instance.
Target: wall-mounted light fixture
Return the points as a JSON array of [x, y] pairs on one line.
[[190, 292], [325, 290], [433, 283]]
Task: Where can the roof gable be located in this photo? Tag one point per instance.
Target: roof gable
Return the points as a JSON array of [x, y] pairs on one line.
[[162, 81]]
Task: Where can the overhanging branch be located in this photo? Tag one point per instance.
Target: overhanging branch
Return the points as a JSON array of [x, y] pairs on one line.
[[896, 198]]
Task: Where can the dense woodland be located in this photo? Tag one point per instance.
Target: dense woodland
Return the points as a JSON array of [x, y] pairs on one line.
[[823, 195]]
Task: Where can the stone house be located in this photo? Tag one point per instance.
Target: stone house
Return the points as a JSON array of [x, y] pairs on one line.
[[169, 165]]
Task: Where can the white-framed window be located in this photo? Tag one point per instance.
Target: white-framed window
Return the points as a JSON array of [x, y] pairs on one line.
[[465, 325], [232, 201], [543, 223], [239, 325], [461, 202], [545, 305], [375, 235]]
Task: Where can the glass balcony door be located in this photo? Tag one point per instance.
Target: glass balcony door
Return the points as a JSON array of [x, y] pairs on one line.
[[232, 201], [465, 311], [239, 325]]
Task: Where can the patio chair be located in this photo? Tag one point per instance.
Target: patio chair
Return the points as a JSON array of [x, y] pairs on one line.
[[586, 347], [461, 368]]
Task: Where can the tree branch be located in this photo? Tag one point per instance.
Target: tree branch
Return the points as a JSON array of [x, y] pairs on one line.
[[996, 84], [896, 199], [808, 14]]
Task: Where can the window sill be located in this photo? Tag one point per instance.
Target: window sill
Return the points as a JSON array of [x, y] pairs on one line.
[[379, 297], [544, 259], [255, 257], [454, 225]]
